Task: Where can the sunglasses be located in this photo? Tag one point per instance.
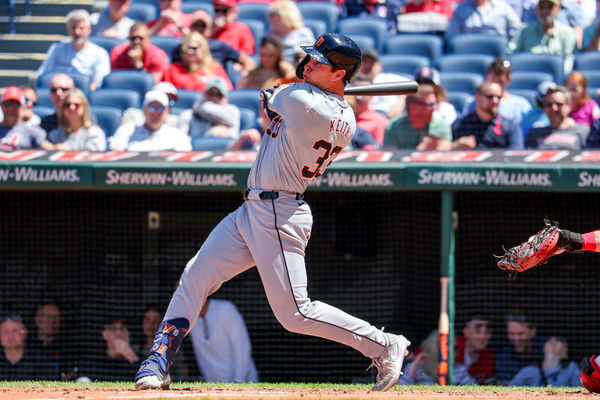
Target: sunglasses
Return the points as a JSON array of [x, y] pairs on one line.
[[56, 89], [191, 49], [199, 25], [136, 37], [13, 317], [72, 106], [30, 102], [214, 93], [153, 109], [11, 103], [553, 103], [221, 10], [490, 96]]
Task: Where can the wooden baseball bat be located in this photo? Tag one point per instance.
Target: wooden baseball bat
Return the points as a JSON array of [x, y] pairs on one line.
[[384, 89], [443, 333]]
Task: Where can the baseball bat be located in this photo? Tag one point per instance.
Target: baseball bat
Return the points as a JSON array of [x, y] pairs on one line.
[[384, 89], [443, 333]]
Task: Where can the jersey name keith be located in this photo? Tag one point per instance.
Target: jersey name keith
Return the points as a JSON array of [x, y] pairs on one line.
[[340, 127]]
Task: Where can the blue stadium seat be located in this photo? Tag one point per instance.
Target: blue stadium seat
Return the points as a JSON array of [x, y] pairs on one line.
[[190, 6], [427, 45], [321, 10], [593, 79], [257, 11], [402, 64], [186, 98], [528, 94], [373, 27], [245, 98], [143, 11], [317, 26], [477, 43], [108, 117], [106, 42], [44, 97], [42, 110], [459, 100], [247, 118], [587, 60], [139, 81], [364, 42], [209, 143], [81, 81], [167, 43], [538, 62], [473, 63], [258, 30], [460, 81], [528, 80], [119, 98]]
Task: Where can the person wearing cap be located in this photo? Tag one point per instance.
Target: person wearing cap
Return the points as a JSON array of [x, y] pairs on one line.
[[225, 27], [430, 76], [574, 13], [511, 106], [272, 66], [419, 129], [220, 51], [212, 123], [546, 35], [491, 17], [287, 25], [197, 67], [136, 115], [119, 358], [563, 133], [536, 117], [484, 128], [79, 55], [139, 53], [15, 134], [155, 134], [171, 21], [113, 21]]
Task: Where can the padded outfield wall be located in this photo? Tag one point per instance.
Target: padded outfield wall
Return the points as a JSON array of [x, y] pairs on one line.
[[109, 233]]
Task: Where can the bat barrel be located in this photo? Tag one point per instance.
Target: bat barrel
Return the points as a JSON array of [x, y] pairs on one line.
[[384, 89]]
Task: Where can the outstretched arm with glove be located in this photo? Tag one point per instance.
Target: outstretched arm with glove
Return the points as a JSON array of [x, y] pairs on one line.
[[540, 247]]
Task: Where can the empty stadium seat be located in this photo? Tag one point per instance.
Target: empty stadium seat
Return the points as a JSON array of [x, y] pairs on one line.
[[427, 45], [106, 42], [550, 63], [257, 11], [108, 117], [473, 63], [528, 80], [249, 98], [258, 30], [460, 81], [42, 110], [402, 64], [190, 7], [373, 27], [139, 81], [119, 98], [143, 11], [247, 118], [587, 60], [44, 97], [186, 98], [317, 26], [324, 11], [81, 81], [364, 42], [459, 100], [593, 81], [167, 43], [528, 94], [477, 43]]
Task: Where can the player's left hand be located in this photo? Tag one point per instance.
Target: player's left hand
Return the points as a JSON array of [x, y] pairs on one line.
[[265, 95]]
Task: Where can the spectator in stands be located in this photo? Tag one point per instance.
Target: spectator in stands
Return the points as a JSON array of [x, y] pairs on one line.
[[225, 28], [537, 117], [250, 138], [298, 57], [136, 115], [27, 113], [571, 14], [554, 371], [212, 122], [430, 76], [139, 53], [171, 21], [154, 135], [221, 51], [563, 132], [525, 348], [197, 67], [591, 33], [419, 129], [546, 35], [484, 128], [492, 17], [222, 344], [366, 117], [511, 106], [287, 25], [584, 109], [59, 85], [47, 344], [79, 55], [272, 66], [75, 131], [14, 133], [16, 362], [118, 360], [425, 16], [474, 360], [113, 21], [386, 10], [422, 370], [443, 7]]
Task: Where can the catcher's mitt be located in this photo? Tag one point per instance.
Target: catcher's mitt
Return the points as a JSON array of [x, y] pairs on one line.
[[539, 248]]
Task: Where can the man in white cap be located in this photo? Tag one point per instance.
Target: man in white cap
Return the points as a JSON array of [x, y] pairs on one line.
[[154, 135], [136, 115]]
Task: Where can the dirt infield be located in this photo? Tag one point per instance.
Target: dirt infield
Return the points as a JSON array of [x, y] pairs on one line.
[[400, 393]]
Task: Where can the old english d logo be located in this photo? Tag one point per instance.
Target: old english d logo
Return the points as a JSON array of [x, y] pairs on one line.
[[319, 42]]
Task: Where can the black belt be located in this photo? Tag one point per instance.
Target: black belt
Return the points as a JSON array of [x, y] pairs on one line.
[[270, 195]]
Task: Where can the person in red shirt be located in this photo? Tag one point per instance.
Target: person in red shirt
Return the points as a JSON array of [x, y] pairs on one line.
[[225, 28], [366, 117], [171, 21], [197, 67], [443, 7], [139, 53], [475, 361]]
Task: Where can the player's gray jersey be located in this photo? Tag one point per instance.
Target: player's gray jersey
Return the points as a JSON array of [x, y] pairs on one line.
[[313, 128]]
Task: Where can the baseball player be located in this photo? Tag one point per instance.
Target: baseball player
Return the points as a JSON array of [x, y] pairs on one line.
[[311, 123]]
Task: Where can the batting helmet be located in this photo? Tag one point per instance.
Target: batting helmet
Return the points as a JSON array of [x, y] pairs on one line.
[[333, 49]]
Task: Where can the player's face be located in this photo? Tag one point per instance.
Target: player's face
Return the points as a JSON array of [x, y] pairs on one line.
[[318, 74], [520, 335], [478, 334]]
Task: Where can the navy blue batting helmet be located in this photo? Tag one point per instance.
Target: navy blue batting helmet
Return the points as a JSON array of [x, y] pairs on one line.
[[336, 50]]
